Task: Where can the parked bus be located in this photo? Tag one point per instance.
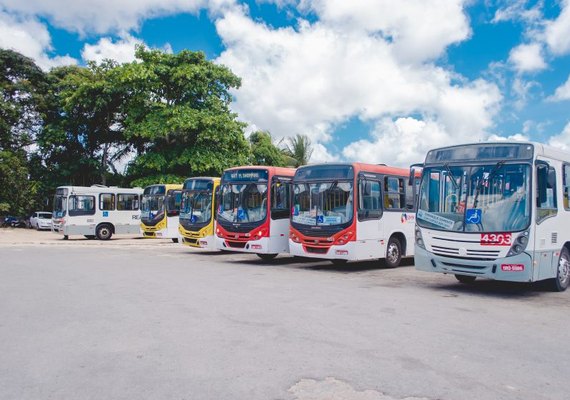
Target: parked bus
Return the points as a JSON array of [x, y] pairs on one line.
[[160, 207], [254, 209], [352, 212], [96, 211], [198, 212], [495, 210]]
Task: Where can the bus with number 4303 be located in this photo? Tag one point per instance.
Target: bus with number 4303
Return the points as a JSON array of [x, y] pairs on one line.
[[254, 209], [352, 212], [495, 210]]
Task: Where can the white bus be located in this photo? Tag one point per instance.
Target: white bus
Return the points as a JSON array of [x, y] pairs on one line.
[[495, 210], [96, 211], [352, 212]]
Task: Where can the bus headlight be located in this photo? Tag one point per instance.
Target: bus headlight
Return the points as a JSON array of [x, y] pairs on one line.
[[419, 238], [519, 244]]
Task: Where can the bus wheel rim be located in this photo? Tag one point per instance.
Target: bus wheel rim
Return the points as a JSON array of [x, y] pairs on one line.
[[392, 253], [563, 271]]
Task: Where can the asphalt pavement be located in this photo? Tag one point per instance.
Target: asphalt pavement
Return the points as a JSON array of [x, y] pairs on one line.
[[149, 319]]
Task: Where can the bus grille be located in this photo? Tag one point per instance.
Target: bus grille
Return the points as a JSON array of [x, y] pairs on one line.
[[236, 245], [316, 250], [470, 254]]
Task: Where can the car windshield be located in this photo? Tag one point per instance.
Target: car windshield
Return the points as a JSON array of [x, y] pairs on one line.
[[489, 198], [323, 203], [44, 215], [196, 206], [59, 206], [243, 202], [152, 203]]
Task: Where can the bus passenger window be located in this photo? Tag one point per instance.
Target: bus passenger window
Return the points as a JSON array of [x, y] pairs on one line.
[[394, 193], [546, 203], [106, 201], [370, 206], [566, 187], [280, 200]]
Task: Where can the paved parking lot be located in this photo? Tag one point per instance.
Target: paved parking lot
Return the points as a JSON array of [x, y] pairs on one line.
[[148, 319]]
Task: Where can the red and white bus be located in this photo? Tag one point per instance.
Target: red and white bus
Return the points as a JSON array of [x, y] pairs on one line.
[[254, 209], [352, 212]]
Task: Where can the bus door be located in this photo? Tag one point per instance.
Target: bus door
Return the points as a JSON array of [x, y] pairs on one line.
[[370, 226], [547, 245], [280, 210]]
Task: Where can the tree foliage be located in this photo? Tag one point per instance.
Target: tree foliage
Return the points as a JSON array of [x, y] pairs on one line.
[[264, 152], [179, 118], [299, 150]]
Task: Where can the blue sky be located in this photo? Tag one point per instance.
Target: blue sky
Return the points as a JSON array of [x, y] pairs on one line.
[[367, 80]]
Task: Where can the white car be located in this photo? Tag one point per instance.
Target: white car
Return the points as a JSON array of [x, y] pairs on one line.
[[40, 220]]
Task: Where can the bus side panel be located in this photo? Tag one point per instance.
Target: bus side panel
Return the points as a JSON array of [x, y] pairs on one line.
[[369, 240], [400, 222]]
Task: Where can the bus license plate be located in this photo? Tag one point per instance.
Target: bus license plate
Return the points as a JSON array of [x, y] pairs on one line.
[[512, 267], [496, 239]]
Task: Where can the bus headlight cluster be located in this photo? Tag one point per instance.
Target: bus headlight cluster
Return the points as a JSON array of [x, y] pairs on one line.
[[519, 244], [419, 238]]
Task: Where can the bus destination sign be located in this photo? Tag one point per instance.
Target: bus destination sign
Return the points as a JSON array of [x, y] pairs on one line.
[[246, 175]]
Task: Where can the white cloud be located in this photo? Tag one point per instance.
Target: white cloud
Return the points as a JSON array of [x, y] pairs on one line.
[[310, 79], [322, 155], [31, 38], [557, 33], [517, 137], [562, 140], [121, 50], [562, 92], [517, 10], [418, 30], [527, 58], [106, 16]]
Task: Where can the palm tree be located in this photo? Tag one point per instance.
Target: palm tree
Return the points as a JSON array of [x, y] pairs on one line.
[[299, 150]]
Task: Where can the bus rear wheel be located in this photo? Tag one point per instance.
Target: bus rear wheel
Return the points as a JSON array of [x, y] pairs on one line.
[[104, 232], [393, 253], [562, 280], [266, 257], [465, 278]]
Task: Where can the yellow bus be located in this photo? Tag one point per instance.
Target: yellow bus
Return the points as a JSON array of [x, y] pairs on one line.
[[160, 208], [198, 212]]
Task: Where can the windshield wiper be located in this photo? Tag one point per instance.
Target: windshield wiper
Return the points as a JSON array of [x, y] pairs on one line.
[[491, 176], [451, 176]]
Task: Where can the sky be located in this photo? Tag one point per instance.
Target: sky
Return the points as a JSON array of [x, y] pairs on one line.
[[380, 81]]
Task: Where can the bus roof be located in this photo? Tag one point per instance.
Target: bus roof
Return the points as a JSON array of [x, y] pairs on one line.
[[204, 178], [496, 150], [167, 186], [272, 170], [100, 189], [363, 167]]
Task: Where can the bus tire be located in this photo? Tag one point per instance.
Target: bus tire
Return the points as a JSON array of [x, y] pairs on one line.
[[467, 279], [65, 237], [393, 253], [104, 232], [175, 240], [562, 280], [266, 257]]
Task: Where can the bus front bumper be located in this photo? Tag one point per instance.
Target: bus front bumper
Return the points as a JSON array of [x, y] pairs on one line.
[[261, 246], [206, 242], [347, 251], [513, 269]]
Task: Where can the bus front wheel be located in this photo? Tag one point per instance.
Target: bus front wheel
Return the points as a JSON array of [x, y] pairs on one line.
[[104, 232], [393, 253], [465, 278], [266, 257], [562, 280]]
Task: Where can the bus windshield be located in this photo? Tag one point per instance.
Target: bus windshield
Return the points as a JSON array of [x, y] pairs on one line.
[[323, 203], [243, 202], [151, 205], [488, 198], [59, 206], [196, 207]]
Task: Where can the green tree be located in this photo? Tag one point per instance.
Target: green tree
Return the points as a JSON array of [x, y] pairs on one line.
[[264, 152], [299, 150], [24, 87], [179, 119], [83, 138]]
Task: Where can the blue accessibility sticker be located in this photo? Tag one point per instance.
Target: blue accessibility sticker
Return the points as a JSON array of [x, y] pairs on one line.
[[320, 219], [105, 213], [473, 216]]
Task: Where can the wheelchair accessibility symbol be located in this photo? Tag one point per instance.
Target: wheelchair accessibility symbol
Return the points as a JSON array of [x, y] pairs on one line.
[[473, 216]]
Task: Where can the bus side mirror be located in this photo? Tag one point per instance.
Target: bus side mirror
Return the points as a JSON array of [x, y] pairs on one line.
[[542, 182], [414, 168]]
